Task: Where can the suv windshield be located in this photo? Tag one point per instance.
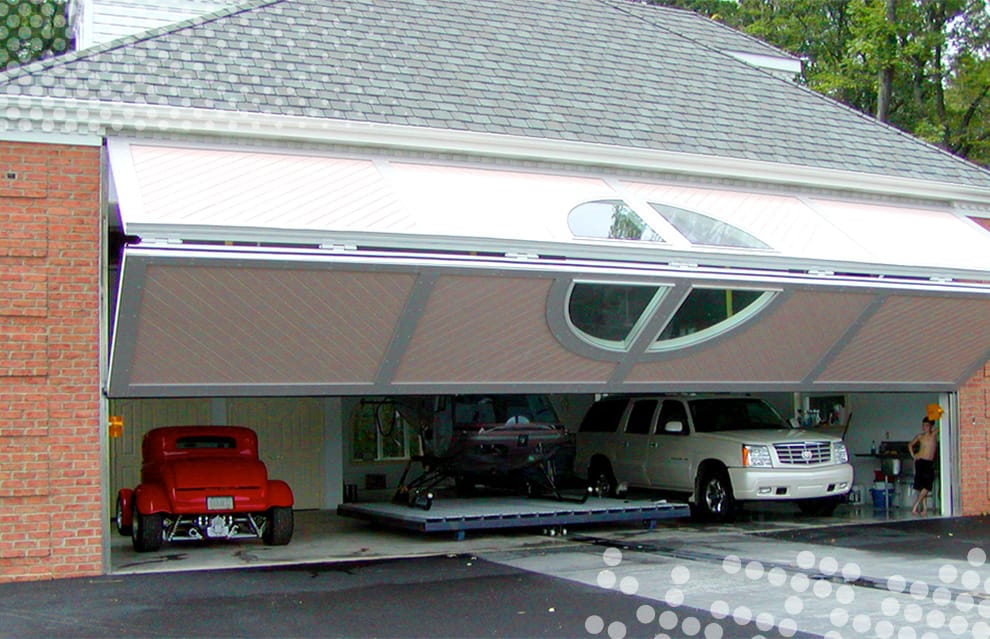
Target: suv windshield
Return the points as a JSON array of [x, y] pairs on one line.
[[733, 413]]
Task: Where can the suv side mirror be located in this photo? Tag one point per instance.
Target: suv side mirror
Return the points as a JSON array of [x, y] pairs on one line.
[[673, 427]]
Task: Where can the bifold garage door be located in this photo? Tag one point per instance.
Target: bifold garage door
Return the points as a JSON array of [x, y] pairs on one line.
[[289, 273]]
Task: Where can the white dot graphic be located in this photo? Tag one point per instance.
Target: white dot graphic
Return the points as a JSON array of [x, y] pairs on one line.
[[851, 572], [612, 557], [829, 565], [806, 559], [731, 564], [713, 631], [680, 575], [777, 576], [606, 579], [742, 615], [793, 605], [594, 624], [646, 614], [720, 609], [629, 585], [941, 596], [896, 583], [958, 625], [691, 626], [617, 630], [839, 617], [948, 573], [754, 570], [668, 620], [976, 557]]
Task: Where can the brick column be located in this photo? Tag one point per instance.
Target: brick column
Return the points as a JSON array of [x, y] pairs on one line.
[[50, 512], [974, 443]]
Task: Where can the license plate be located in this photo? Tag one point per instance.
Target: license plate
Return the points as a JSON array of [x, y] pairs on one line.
[[219, 503]]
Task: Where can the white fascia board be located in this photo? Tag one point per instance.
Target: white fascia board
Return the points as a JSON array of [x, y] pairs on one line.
[[87, 117], [569, 267], [68, 139], [776, 64]]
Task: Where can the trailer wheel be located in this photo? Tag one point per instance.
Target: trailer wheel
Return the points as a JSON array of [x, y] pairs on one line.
[[280, 525]]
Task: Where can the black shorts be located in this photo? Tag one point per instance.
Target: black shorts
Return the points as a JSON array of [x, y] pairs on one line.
[[924, 474]]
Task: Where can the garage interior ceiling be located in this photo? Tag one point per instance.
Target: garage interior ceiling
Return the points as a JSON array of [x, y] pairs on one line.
[[286, 273]]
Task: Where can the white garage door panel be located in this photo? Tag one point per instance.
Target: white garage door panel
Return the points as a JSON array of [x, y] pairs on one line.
[[784, 346], [238, 322], [189, 326], [484, 330], [183, 193], [914, 339]]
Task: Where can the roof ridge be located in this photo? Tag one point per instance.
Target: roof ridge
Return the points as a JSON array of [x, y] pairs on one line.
[[720, 25], [38, 66]]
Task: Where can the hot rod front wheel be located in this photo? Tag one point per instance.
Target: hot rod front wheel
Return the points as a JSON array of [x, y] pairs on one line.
[[118, 519], [278, 532], [146, 532]]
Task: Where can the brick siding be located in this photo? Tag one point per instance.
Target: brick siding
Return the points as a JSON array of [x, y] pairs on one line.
[[50, 509], [974, 443]]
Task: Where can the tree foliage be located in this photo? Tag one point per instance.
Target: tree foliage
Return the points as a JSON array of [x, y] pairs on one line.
[[921, 65], [32, 29]]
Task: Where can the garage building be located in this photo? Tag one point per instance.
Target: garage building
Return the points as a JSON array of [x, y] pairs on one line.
[[266, 214]]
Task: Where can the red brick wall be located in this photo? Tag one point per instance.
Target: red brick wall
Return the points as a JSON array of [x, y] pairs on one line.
[[50, 511], [974, 443]]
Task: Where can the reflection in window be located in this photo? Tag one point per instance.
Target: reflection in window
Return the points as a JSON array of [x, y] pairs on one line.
[[608, 311], [610, 220], [706, 308], [701, 229], [379, 431]]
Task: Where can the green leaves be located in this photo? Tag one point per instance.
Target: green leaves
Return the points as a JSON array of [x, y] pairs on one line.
[[926, 60], [32, 29]]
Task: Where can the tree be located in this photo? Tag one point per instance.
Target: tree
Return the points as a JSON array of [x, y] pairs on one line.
[[32, 29], [920, 65]]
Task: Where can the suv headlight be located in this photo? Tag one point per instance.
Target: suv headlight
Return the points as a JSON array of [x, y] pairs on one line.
[[840, 453], [756, 455]]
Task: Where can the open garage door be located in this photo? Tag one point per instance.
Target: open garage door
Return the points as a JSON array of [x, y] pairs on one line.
[[261, 274]]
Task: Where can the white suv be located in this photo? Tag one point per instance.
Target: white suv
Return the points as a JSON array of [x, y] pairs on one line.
[[716, 449]]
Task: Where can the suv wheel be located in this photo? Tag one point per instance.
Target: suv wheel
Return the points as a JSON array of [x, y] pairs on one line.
[[602, 480], [715, 501]]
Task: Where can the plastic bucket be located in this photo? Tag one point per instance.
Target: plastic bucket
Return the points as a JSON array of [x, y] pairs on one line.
[[878, 500]]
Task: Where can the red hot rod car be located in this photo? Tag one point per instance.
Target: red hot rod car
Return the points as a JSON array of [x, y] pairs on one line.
[[203, 482]]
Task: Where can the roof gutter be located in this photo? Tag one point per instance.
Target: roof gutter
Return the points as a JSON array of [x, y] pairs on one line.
[[60, 117]]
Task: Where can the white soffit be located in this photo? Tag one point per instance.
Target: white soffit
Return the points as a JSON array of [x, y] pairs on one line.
[[202, 194]]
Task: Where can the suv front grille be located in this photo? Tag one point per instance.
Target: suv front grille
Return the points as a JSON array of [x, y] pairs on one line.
[[804, 453]]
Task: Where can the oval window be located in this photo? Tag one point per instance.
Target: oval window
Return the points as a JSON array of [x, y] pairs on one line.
[[705, 230], [608, 314], [609, 220], [707, 312]]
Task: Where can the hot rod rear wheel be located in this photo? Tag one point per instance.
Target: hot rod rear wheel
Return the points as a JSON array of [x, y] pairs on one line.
[[146, 532], [118, 519], [280, 525]]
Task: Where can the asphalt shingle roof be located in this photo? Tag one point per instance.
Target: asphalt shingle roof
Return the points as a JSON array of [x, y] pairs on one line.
[[603, 71]]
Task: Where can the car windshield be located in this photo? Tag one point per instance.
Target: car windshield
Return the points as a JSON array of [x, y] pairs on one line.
[[733, 413]]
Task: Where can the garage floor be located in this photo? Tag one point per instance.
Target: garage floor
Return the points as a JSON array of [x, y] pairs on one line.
[[322, 536]]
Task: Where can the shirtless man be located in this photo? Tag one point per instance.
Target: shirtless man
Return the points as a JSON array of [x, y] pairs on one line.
[[923, 448]]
